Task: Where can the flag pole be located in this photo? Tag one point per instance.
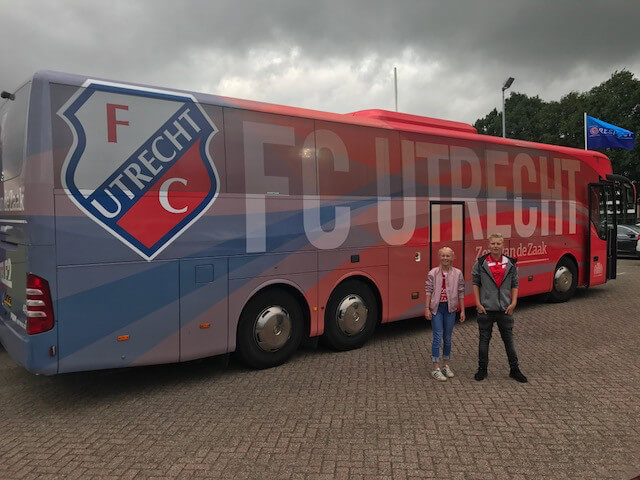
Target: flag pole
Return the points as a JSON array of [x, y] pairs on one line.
[[585, 130], [395, 85]]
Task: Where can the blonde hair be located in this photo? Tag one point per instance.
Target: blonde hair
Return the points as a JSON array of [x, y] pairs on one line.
[[446, 247], [495, 235]]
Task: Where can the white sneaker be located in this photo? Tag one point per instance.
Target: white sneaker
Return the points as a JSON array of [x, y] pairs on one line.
[[447, 371], [437, 374]]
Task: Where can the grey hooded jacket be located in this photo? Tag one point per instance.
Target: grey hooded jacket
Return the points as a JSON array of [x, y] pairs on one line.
[[493, 298]]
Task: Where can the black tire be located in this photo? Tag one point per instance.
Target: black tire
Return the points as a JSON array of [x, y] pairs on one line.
[[565, 281], [269, 305], [356, 295]]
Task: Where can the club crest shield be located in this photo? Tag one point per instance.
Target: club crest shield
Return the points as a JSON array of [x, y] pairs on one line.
[[139, 165]]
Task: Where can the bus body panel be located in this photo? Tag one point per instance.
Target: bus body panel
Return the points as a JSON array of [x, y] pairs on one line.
[[407, 267], [250, 266], [302, 198], [117, 315], [203, 307]]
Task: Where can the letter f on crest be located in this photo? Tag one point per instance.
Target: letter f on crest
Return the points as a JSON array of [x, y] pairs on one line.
[[112, 121]]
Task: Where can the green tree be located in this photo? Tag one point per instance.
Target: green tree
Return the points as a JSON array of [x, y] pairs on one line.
[[617, 101]]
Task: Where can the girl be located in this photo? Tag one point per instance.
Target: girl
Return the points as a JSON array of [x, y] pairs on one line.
[[444, 296]]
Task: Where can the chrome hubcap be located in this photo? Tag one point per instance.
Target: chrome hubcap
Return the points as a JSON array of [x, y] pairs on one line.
[[272, 328], [352, 315], [562, 280]]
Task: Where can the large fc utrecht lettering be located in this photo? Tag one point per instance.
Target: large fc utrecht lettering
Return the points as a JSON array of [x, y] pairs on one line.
[[390, 234], [150, 179], [493, 188], [256, 136], [494, 182], [317, 235]]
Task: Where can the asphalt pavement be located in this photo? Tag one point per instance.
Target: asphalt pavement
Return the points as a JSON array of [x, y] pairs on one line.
[[372, 413]]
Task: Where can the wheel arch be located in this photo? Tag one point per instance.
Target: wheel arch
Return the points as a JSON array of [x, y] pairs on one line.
[[368, 281], [276, 284], [569, 256], [563, 295]]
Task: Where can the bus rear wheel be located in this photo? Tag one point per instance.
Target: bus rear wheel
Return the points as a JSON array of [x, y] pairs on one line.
[[351, 316], [270, 329], [565, 281]]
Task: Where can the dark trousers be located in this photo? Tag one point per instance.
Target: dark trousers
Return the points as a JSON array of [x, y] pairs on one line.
[[505, 325]]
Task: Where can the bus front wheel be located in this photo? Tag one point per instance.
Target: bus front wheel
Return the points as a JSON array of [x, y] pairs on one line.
[[351, 316], [270, 329], [565, 281]]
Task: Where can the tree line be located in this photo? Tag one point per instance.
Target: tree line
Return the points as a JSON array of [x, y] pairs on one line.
[[616, 101]]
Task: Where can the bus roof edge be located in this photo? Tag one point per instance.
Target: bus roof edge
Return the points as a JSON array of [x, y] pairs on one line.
[[405, 118]]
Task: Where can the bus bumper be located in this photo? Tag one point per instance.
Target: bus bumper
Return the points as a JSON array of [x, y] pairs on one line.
[[33, 352]]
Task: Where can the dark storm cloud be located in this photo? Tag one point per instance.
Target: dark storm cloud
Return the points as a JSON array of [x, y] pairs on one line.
[[476, 44], [514, 31]]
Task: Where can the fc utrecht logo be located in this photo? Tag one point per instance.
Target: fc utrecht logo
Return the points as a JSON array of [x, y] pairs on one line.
[[140, 164], [598, 269]]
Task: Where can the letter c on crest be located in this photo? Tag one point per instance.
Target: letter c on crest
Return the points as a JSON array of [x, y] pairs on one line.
[[163, 194]]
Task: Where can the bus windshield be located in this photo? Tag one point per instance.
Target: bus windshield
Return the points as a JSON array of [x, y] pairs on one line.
[[13, 121]]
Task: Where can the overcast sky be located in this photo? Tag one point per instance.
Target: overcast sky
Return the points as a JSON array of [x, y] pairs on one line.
[[452, 56]]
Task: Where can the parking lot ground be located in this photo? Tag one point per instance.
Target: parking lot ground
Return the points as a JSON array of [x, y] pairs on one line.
[[365, 414]]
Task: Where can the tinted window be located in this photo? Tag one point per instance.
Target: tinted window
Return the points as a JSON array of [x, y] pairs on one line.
[[13, 121], [347, 159], [266, 153]]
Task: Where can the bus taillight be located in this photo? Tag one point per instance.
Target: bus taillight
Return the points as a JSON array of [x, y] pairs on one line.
[[39, 305]]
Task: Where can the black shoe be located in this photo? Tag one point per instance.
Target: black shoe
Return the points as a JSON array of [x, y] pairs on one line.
[[481, 374], [516, 374]]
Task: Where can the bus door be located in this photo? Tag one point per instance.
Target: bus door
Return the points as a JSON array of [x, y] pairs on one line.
[[446, 229], [602, 233]]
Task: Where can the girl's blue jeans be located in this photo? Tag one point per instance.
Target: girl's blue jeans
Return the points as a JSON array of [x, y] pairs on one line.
[[442, 325]]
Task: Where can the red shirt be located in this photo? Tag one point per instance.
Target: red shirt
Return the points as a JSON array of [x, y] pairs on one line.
[[443, 292], [497, 268]]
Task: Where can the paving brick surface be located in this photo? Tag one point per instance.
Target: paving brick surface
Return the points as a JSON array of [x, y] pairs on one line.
[[372, 413]]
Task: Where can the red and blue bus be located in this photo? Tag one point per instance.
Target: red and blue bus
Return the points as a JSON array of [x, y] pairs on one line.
[[143, 225]]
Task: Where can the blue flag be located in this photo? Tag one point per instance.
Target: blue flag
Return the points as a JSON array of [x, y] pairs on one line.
[[601, 134]]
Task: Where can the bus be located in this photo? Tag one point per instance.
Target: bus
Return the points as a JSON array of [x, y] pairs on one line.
[[145, 225]]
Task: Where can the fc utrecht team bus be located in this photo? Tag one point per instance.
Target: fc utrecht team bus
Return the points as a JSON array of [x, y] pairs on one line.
[[142, 225]]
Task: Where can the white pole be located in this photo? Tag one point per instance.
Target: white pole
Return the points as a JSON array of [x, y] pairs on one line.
[[585, 130], [395, 85]]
